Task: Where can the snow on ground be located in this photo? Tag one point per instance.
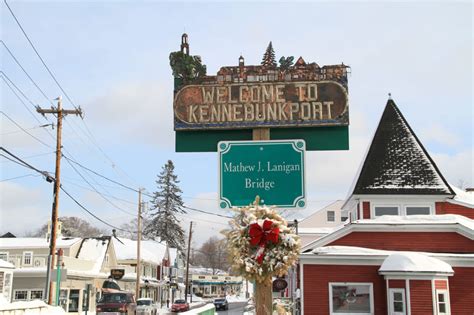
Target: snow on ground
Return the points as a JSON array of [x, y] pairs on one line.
[[236, 298], [414, 262], [35, 307]]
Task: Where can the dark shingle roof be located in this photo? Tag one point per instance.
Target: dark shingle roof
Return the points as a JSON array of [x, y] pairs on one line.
[[397, 162]]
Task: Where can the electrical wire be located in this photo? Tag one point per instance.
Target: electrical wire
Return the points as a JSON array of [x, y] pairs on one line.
[[27, 74], [36, 155], [27, 165], [206, 212], [26, 131], [18, 177]]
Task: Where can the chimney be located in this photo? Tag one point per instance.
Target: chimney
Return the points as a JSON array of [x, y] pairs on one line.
[[470, 189]]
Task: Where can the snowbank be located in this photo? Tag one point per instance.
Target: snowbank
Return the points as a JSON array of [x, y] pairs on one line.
[[6, 264], [35, 307], [236, 298], [414, 262]]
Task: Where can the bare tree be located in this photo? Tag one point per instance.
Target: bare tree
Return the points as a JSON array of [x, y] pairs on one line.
[[213, 254], [73, 227]]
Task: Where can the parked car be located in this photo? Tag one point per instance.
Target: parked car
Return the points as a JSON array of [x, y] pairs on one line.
[[221, 303], [116, 303], [179, 306], [146, 306]]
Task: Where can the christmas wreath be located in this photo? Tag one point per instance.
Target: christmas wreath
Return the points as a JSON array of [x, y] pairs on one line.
[[261, 244]]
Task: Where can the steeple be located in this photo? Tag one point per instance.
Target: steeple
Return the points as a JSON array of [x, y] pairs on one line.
[[184, 44], [397, 162]]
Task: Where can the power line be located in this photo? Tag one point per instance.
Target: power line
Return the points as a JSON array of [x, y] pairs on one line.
[[92, 214], [18, 177], [108, 195], [99, 193], [206, 212], [100, 175], [27, 165], [26, 131], [39, 56], [89, 134], [18, 131], [27, 74], [36, 155]]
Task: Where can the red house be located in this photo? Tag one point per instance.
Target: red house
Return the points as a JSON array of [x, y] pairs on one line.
[[409, 246]]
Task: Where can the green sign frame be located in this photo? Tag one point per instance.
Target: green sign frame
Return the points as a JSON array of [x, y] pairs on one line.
[[272, 170]]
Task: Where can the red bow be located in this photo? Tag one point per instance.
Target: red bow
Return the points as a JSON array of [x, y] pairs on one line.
[[261, 236]]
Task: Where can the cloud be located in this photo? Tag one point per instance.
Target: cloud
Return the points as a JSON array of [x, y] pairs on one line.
[[457, 167], [23, 209], [439, 134], [135, 111]]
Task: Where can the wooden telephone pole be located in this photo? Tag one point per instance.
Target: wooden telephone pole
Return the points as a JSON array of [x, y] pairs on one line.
[[139, 239], [60, 113], [186, 288]]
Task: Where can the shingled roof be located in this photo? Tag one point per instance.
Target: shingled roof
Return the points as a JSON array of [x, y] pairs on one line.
[[397, 162]]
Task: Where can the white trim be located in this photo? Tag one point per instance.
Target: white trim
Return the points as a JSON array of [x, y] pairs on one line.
[[407, 287], [391, 300], [433, 296], [361, 209], [302, 288], [23, 258], [371, 296], [460, 203], [446, 302], [387, 295]]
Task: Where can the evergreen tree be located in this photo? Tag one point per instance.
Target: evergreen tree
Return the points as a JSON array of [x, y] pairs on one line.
[[269, 57], [166, 204]]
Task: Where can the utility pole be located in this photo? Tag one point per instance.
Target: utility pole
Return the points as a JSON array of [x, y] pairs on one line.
[[187, 263], [60, 113], [139, 238]]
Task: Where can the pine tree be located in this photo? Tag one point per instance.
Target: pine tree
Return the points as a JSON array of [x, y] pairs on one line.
[[269, 57], [166, 204]]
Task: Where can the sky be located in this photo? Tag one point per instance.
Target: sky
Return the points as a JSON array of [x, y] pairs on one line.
[[111, 58]]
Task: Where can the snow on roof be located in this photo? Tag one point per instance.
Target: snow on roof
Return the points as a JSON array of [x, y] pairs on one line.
[[397, 162], [420, 219], [150, 251], [36, 242], [6, 264], [323, 230], [206, 271], [94, 249], [414, 262], [462, 197]]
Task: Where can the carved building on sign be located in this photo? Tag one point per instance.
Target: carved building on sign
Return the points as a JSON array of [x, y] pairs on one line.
[[251, 96]]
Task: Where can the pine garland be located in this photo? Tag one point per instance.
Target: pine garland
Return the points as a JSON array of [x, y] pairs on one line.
[[277, 258]]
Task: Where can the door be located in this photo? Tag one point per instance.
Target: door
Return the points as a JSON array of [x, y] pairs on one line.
[[397, 302]]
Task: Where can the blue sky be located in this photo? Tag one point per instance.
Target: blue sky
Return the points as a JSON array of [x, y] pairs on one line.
[[112, 59]]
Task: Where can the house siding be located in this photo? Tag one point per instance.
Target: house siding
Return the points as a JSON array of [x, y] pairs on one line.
[[436, 242], [450, 208], [318, 277], [421, 297], [366, 209], [396, 284], [461, 291]]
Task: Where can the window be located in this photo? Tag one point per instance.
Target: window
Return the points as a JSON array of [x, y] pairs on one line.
[[351, 298], [442, 303], [386, 210], [413, 210], [21, 295], [36, 294], [4, 256], [331, 216], [397, 301], [73, 301], [27, 258]]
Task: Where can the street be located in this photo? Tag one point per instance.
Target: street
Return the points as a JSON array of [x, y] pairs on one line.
[[236, 308]]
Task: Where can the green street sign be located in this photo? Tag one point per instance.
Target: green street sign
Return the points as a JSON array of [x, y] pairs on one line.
[[273, 170]]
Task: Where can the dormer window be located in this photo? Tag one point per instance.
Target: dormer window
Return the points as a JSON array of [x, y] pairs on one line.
[[417, 210], [27, 258], [386, 210], [331, 216]]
